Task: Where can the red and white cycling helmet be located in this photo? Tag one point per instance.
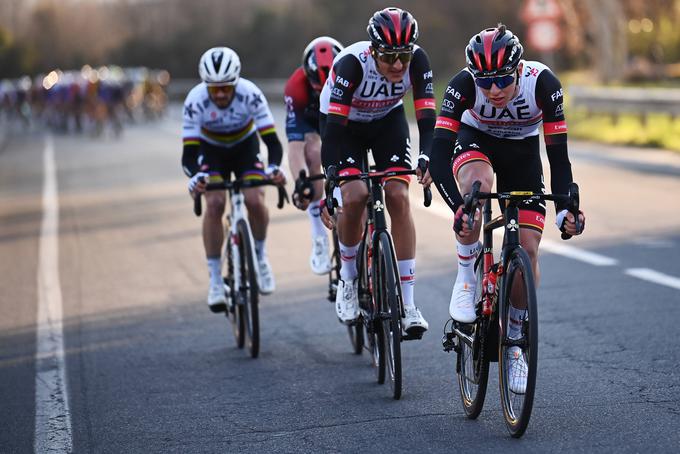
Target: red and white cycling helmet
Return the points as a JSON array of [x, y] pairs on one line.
[[317, 60]]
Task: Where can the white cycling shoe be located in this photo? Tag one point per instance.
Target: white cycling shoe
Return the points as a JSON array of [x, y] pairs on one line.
[[347, 301], [414, 322], [462, 305], [217, 297], [266, 277], [319, 260], [517, 370]]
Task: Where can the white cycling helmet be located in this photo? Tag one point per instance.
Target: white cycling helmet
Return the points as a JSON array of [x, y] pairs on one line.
[[219, 66]]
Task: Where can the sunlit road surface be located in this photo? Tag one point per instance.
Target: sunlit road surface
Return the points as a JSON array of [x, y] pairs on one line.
[[127, 358]]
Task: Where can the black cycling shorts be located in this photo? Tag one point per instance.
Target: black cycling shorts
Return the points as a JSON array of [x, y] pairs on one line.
[[387, 138], [516, 163], [242, 160]]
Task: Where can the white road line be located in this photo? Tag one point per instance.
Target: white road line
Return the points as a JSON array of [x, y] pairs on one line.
[[441, 210], [654, 276], [577, 254], [52, 414]]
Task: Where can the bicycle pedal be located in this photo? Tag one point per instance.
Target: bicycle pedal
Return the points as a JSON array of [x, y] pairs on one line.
[[449, 342], [412, 336]]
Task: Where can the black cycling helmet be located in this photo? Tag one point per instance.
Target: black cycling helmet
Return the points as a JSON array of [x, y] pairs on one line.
[[493, 52], [317, 60], [392, 29]]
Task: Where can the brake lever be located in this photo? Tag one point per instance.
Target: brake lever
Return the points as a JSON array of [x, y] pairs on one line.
[[573, 208]]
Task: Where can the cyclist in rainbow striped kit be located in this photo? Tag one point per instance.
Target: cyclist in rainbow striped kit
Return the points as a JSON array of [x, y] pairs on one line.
[[223, 116]]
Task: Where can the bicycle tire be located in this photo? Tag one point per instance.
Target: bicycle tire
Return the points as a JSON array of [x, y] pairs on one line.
[[389, 284], [374, 338], [233, 312], [472, 361], [516, 409], [248, 289], [334, 274]]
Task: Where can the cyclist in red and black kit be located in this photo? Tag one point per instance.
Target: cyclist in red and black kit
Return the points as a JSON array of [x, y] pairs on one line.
[[304, 143], [361, 109], [489, 122]]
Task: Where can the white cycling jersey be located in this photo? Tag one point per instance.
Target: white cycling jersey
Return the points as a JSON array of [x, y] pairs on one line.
[[247, 113], [374, 97], [521, 118]]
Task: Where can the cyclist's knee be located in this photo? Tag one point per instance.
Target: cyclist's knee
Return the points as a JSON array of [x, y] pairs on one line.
[[215, 206], [354, 196], [396, 197], [255, 201], [530, 240]]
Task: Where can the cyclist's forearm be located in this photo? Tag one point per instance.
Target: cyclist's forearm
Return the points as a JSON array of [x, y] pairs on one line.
[[330, 144], [296, 157], [442, 174], [560, 170], [426, 131], [190, 159], [274, 148]]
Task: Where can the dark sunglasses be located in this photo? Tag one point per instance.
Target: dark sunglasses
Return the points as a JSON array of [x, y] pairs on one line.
[[500, 81], [216, 89], [391, 57]]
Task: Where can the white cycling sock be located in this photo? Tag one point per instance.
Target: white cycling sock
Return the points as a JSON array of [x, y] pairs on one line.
[[215, 268], [516, 317], [314, 214], [260, 250], [348, 259], [467, 254], [407, 274]]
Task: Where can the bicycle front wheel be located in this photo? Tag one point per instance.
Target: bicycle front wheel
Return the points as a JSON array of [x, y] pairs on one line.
[[248, 289], [518, 357], [388, 287], [472, 361], [334, 274]]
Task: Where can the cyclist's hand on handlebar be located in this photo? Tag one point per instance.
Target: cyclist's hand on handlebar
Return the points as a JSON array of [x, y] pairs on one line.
[[276, 174], [566, 223], [303, 193], [423, 171], [465, 231], [198, 182], [326, 218]]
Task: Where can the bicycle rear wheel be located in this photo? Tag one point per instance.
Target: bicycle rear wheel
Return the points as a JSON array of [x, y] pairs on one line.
[[517, 400], [248, 289], [386, 282], [472, 361]]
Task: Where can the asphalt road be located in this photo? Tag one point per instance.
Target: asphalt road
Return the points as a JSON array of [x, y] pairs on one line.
[[147, 368]]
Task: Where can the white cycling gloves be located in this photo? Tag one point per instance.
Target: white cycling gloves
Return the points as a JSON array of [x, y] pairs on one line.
[[193, 181]]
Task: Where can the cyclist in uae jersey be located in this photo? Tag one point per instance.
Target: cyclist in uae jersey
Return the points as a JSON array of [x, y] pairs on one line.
[[361, 109], [304, 143], [222, 116], [489, 122]]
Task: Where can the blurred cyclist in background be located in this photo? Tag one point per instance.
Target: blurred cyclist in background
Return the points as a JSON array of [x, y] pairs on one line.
[[221, 117], [304, 143]]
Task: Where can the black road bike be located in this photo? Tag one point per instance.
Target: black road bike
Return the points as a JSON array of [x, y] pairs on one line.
[[486, 339], [379, 287], [241, 271]]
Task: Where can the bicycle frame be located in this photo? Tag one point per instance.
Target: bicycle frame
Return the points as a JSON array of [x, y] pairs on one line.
[[237, 213]]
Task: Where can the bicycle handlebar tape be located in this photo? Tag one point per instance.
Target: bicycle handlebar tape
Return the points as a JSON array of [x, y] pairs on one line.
[[283, 197], [330, 185], [573, 208], [427, 194], [198, 207]]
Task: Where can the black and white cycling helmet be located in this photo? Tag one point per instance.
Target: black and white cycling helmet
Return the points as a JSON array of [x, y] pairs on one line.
[[219, 66]]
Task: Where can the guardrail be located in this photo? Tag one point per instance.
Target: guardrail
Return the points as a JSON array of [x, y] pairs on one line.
[[615, 101], [272, 88]]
